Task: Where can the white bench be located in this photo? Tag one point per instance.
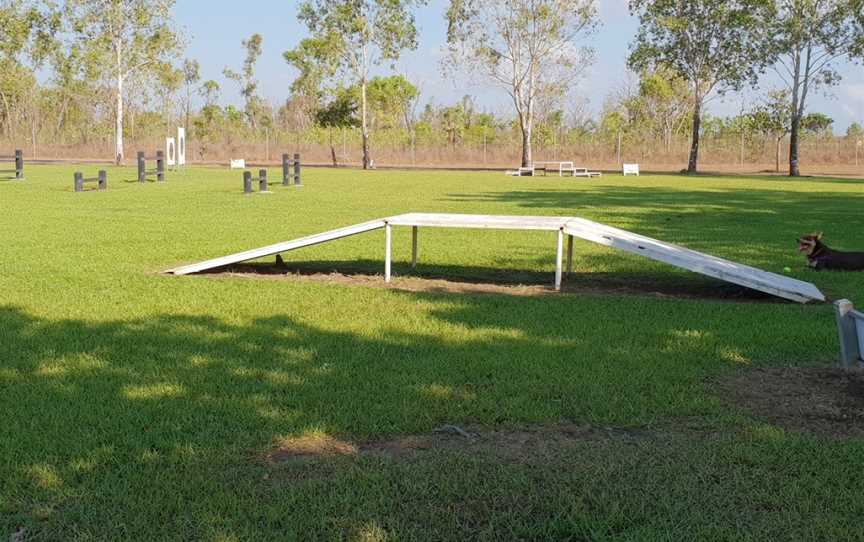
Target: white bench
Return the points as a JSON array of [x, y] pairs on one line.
[[850, 326], [521, 172], [631, 169], [239, 163]]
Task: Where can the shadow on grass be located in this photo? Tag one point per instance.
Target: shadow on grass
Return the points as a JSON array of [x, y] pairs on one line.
[[114, 428], [651, 281]]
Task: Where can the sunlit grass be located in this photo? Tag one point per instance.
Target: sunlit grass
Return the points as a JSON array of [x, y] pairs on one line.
[[135, 405]]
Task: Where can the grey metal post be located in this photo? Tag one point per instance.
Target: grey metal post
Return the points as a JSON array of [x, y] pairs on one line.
[[142, 170], [262, 181], [286, 170], [103, 179], [79, 181], [247, 182], [19, 164], [160, 166], [297, 170], [850, 350]]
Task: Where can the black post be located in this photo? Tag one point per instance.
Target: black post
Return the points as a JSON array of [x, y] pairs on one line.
[[297, 170], [19, 164], [160, 166], [142, 171], [247, 182], [262, 181], [103, 179], [79, 181], [286, 174]]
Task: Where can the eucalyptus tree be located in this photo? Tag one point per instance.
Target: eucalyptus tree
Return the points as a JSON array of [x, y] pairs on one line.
[[246, 79], [716, 45], [191, 75], [348, 38], [529, 48], [808, 37], [129, 39]]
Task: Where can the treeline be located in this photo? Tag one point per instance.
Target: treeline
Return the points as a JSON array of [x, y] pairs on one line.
[[79, 75]]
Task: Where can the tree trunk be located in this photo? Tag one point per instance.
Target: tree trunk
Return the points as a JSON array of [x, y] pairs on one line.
[[364, 128], [118, 127], [794, 138], [526, 146], [693, 162], [777, 156], [332, 148]]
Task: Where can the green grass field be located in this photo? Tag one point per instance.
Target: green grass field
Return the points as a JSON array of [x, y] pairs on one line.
[[139, 406]]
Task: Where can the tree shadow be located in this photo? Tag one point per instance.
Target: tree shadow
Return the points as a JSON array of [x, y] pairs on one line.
[[128, 420]]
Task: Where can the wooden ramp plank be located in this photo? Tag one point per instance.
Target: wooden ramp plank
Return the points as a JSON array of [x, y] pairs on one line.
[[279, 247], [491, 222], [698, 262]]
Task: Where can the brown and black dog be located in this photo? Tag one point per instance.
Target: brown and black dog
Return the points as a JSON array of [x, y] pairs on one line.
[[819, 256]]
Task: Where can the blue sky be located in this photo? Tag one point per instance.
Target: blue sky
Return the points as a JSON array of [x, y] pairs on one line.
[[215, 29]]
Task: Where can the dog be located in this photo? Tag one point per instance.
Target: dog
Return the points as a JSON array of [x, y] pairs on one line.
[[820, 256]]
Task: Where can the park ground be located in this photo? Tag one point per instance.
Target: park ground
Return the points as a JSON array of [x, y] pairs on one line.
[[465, 402]]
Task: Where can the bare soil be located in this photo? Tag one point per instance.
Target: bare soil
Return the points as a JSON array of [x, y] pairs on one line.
[[534, 284], [821, 401]]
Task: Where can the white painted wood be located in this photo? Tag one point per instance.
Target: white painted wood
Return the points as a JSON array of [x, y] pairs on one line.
[[492, 222], [684, 258], [238, 163], [697, 262], [414, 246], [559, 255], [279, 248], [631, 169], [388, 250]]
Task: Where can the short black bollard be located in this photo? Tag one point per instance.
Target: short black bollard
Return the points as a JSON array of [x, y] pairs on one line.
[[297, 170], [103, 179], [286, 170], [142, 170], [247, 182], [160, 166], [262, 181], [19, 164], [79, 181]]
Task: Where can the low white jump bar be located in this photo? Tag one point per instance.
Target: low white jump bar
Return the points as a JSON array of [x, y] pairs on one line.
[[736, 273]]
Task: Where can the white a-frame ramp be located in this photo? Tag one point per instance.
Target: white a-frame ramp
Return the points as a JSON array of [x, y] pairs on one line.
[[698, 262]]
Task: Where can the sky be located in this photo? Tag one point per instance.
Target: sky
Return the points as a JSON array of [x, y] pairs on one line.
[[214, 30]]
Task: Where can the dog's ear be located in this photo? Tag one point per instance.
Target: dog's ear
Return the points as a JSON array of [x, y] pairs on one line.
[[819, 236]]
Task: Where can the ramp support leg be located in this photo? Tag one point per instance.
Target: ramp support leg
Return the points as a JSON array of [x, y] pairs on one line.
[[569, 254], [559, 256], [388, 250], [850, 351], [414, 247]]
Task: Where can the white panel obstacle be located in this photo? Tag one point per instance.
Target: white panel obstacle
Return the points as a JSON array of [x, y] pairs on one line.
[[631, 169], [678, 256], [238, 163], [170, 151], [181, 146]]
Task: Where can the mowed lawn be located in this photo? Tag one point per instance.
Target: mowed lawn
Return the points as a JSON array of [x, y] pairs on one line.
[[140, 406]]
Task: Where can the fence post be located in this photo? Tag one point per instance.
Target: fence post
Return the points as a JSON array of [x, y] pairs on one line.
[[846, 328], [297, 170], [247, 182], [160, 166], [142, 173], [262, 181], [103, 179], [286, 173], [79, 181], [19, 164]]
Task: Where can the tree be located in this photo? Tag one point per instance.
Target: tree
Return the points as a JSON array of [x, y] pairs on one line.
[[339, 113], [348, 37], [662, 103], [130, 38], [772, 119], [527, 47], [246, 79], [817, 123], [191, 75], [855, 132], [716, 45], [808, 36]]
